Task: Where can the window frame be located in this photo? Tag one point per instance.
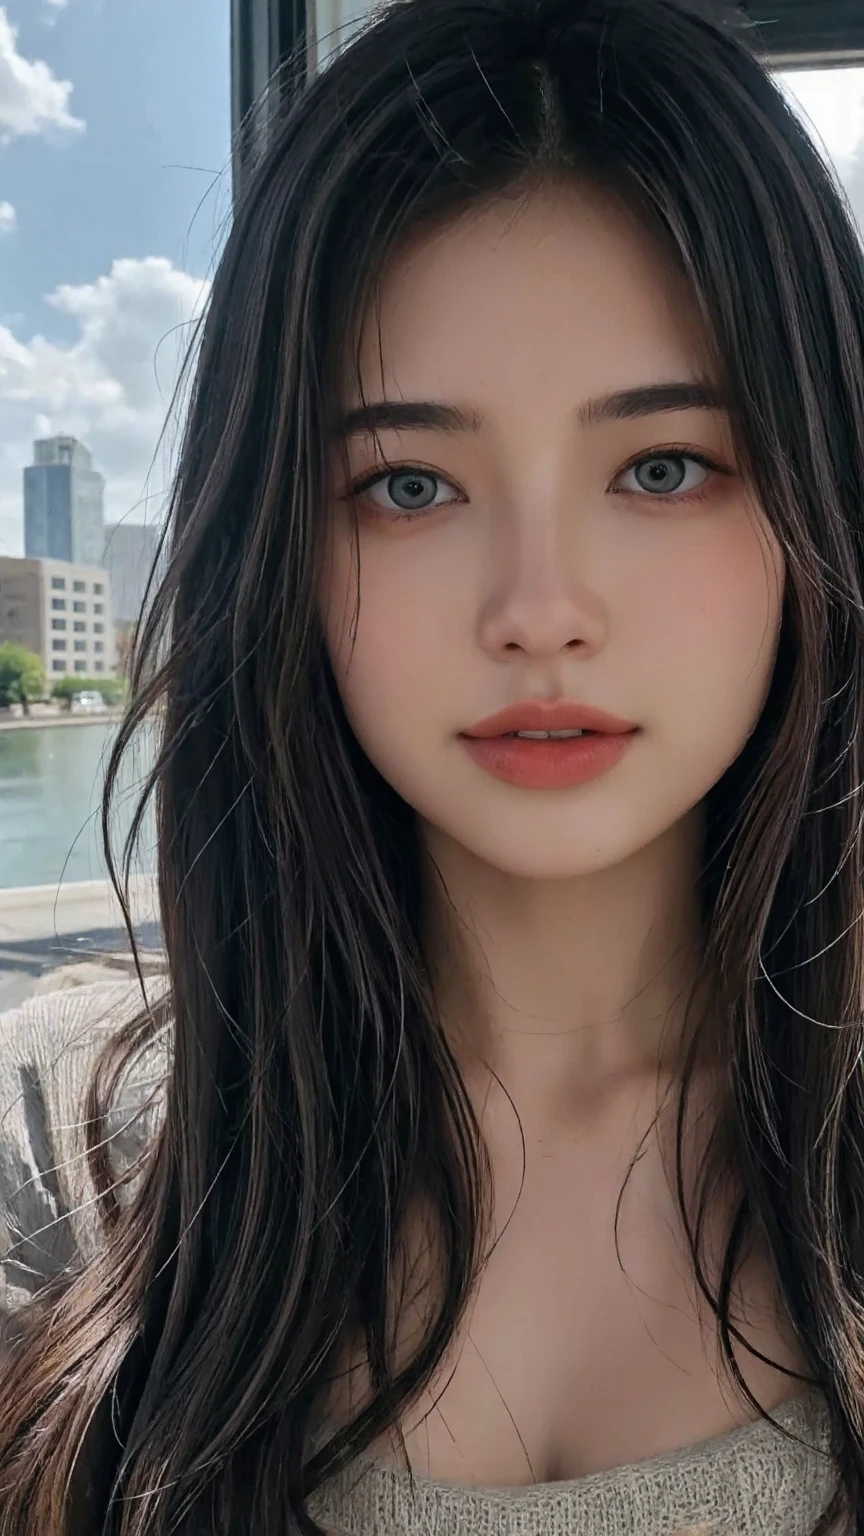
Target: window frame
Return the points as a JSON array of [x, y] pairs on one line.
[[810, 34], [264, 33]]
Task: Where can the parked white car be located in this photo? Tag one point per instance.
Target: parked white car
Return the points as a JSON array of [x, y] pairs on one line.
[[88, 703]]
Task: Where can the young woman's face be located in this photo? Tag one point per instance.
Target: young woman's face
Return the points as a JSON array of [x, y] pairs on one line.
[[549, 545]]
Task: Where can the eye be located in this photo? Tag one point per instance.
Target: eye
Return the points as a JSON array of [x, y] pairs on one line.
[[411, 491], [667, 474]]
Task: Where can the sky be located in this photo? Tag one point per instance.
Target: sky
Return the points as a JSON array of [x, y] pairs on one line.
[[115, 198]]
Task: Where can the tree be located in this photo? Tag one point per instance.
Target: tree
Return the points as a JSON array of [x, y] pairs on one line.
[[22, 675], [112, 689], [64, 687], [124, 632]]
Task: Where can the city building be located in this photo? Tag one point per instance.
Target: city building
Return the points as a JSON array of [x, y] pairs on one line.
[[63, 503], [62, 612], [130, 549]]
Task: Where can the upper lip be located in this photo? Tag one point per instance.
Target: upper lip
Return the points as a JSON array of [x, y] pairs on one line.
[[541, 715]]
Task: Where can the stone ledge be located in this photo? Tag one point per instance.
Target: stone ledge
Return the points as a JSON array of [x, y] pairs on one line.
[[38, 911]]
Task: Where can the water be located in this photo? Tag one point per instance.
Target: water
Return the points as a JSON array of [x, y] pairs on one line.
[[51, 780]]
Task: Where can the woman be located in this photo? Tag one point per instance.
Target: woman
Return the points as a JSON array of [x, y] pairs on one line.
[[501, 1134]]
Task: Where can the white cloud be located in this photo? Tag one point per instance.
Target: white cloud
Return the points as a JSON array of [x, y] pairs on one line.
[[8, 218], [54, 7], [32, 99], [111, 387]]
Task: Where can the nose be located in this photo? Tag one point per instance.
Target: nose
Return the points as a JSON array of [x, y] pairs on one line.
[[540, 601]]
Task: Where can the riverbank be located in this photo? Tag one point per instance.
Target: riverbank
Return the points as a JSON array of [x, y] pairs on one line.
[[62, 717]]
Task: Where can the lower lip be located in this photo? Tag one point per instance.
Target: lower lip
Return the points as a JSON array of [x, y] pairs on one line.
[[548, 764]]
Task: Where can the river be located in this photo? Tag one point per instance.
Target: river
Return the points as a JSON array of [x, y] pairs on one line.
[[50, 784]]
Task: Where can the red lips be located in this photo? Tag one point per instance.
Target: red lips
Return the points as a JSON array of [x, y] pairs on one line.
[[543, 715]]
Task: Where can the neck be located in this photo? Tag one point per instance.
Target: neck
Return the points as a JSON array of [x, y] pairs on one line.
[[564, 988]]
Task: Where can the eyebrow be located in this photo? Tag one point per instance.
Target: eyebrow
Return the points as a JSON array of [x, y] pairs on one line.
[[436, 416]]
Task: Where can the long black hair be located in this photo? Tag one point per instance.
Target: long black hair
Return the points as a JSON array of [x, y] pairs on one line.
[[311, 1096]]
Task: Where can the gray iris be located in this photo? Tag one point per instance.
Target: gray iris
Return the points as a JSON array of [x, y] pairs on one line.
[[661, 474], [415, 488]]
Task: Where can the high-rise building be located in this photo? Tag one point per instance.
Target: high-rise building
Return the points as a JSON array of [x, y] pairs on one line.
[[130, 549], [63, 503], [60, 611]]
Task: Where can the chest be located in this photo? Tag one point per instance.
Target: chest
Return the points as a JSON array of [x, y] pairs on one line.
[[584, 1348], [578, 1355]]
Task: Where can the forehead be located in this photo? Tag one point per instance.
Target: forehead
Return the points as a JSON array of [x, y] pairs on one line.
[[565, 283]]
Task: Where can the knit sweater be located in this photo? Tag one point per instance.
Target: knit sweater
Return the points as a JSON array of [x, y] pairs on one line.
[[752, 1482]]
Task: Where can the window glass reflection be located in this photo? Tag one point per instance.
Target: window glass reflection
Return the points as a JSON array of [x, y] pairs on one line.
[[831, 103]]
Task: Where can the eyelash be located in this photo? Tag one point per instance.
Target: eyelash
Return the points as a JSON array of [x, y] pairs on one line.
[[366, 482]]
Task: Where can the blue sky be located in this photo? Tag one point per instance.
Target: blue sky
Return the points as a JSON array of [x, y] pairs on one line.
[[115, 193]]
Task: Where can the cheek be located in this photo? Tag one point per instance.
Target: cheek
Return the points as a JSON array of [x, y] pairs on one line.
[[388, 648], [714, 629]]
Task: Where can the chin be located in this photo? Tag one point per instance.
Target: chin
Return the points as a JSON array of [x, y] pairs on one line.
[[557, 864], [531, 854]]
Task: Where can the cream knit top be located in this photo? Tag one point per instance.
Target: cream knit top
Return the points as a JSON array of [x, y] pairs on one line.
[[752, 1482]]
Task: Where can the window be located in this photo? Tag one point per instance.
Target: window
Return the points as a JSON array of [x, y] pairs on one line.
[[79, 627], [98, 587], [98, 607], [98, 645], [98, 629], [80, 666], [98, 666], [58, 645], [79, 607], [80, 645], [58, 583], [58, 623], [831, 102], [79, 586], [58, 602], [58, 666]]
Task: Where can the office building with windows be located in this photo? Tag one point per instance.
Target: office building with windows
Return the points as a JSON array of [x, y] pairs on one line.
[[62, 612], [63, 503], [130, 550]]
